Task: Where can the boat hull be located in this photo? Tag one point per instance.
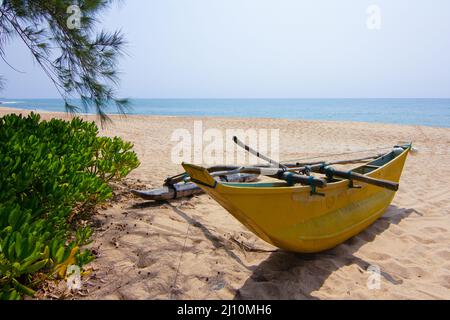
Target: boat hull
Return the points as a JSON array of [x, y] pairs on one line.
[[292, 219]]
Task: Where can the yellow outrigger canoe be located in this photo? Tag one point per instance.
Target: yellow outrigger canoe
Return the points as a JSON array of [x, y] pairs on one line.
[[294, 219]]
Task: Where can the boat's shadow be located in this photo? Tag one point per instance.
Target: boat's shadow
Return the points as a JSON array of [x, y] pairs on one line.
[[286, 275]]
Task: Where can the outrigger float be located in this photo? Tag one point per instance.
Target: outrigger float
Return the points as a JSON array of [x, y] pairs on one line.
[[316, 207], [179, 186]]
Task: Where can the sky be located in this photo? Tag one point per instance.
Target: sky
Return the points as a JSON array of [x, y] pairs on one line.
[[268, 49]]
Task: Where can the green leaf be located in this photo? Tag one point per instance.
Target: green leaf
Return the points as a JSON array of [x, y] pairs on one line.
[[23, 289], [47, 169], [59, 257], [36, 267]]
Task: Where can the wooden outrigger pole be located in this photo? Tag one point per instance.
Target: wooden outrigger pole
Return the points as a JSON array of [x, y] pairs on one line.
[[288, 173], [180, 186], [256, 153]]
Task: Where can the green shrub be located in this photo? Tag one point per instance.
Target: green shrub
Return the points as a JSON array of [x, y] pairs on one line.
[[47, 169]]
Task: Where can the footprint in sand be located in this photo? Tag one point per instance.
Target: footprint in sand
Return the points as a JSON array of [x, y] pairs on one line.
[[378, 256], [417, 239], [434, 230], [445, 281], [145, 261], [444, 254]]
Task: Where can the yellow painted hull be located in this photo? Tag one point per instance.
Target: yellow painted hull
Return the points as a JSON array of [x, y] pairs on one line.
[[290, 218]]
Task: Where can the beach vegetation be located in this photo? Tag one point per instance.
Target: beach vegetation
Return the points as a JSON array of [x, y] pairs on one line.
[[51, 173]]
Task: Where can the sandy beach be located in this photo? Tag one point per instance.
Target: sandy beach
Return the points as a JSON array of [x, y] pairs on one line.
[[193, 249]]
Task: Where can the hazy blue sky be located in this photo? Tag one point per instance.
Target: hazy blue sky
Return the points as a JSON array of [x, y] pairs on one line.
[[269, 48]]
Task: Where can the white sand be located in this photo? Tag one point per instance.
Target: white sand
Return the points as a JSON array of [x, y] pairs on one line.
[[189, 249]]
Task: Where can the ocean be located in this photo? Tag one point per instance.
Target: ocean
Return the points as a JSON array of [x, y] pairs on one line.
[[427, 112]]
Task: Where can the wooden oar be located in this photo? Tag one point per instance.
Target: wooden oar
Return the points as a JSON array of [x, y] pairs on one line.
[[329, 171], [297, 167], [249, 149], [291, 173], [291, 177], [286, 173]]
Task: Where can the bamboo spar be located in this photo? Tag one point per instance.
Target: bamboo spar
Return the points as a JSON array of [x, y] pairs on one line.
[[223, 170], [284, 173], [249, 149], [288, 174]]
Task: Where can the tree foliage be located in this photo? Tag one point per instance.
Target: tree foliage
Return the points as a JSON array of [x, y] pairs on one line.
[[80, 59]]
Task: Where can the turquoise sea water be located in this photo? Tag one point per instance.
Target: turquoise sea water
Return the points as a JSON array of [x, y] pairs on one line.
[[429, 112]]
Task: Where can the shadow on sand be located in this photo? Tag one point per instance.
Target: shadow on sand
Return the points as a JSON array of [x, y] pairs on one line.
[[286, 275], [216, 241]]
